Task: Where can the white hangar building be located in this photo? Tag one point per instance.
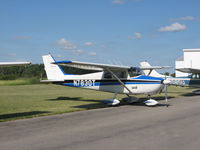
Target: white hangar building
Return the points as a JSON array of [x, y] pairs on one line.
[[190, 59]]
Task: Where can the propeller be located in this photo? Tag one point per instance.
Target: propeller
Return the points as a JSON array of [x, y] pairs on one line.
[[166, 83], [166, 93]]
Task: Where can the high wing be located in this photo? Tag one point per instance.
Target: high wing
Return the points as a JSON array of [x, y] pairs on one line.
[[189, 70], [90, 66], [100, 67], [14, 63]]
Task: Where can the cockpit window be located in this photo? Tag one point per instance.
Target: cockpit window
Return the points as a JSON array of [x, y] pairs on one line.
[[134, 71]]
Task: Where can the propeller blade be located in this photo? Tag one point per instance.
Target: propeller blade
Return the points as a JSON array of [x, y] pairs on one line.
[[166, 83], [166, 93]]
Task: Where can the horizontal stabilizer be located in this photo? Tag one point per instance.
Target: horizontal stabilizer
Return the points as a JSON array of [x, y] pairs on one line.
[[154, 67], [150, 70], [50, 81]]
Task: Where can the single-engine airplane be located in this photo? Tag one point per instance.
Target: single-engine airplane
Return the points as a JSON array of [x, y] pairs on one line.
[[109, 78], [193, 80]]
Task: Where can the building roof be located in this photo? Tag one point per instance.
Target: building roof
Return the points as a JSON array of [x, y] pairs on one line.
[[191, 50]]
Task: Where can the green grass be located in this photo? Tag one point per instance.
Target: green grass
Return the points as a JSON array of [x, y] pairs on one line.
[[22, 81], [26, 101]]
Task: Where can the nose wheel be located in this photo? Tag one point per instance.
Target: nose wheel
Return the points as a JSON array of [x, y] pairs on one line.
[[150, 102]]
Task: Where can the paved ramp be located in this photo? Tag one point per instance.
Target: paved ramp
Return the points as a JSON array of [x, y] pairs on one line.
[[126, 127]]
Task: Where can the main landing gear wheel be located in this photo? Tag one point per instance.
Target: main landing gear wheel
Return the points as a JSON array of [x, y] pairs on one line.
[[151, 102], [113, 101]]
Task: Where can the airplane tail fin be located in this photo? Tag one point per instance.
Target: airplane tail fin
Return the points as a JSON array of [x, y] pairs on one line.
[[150, 72], [53, 71]]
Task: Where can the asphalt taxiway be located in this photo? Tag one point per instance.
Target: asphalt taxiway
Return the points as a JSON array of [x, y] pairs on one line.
[[115, 128]]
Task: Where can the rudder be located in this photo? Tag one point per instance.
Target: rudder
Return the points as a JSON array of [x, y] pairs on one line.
[[53, 71], [150, 72]]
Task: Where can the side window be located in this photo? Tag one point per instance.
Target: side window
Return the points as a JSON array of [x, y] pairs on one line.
[[195, 76], [122, 75], [134, 71], [198, 76], [107, 75]]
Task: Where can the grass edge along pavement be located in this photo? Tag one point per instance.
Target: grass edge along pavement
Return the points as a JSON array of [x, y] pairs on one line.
[[27, 101]]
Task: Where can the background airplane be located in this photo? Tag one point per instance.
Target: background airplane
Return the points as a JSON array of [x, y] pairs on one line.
[[193, 80], [14, 63], [108, 78]]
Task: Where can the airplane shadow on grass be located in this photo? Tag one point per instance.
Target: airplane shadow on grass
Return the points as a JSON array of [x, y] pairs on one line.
[[101, 104], [98, 103], [72, 99], [21, 114], [189, 94]]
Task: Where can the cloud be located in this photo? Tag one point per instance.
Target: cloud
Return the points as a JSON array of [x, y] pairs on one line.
[[124, 1], [89, 43], [92, 53], [65, 44], [78, 52], [118, 1], [175, 27], [59, 55], [137, 36], [73, 48], [185, 18]]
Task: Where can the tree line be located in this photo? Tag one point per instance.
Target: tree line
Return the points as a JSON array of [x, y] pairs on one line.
[[15, 72], [36, 71], [33, 71]]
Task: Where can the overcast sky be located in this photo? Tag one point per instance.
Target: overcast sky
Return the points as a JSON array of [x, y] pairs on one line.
[[103, 31]]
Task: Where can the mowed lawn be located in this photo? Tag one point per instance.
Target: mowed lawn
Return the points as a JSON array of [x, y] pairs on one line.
[[25, 101]]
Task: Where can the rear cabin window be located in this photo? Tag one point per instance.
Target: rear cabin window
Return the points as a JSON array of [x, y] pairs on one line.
[[108, 75]]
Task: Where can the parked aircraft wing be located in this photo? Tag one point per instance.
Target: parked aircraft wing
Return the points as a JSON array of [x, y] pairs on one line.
[[14, 63], [189, 70]]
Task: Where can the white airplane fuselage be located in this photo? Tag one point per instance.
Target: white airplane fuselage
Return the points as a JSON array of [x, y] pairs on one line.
[[95, 81]]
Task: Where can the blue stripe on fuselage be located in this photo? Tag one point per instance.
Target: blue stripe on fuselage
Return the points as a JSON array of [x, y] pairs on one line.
[[142, 77], [110, 83]]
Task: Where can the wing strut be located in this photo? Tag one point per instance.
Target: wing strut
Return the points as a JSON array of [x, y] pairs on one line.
[[149, 72], [118, 79]]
